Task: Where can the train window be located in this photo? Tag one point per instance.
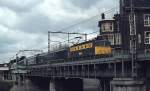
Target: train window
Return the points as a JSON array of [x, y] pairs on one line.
[[72, 49], [83, 46], [80, 47], [90, 45], [77, 48], [107, 43], [86, 46]]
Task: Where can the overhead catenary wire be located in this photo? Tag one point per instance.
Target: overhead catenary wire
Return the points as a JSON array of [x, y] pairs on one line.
[[81, 22], [85, 20]]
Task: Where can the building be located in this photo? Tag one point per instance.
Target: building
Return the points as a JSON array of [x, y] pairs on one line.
[[142, 23], [4, 72], [17, 67], [118, 29], [109, 29]]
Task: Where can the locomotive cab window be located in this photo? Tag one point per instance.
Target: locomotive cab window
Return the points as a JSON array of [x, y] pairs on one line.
[[146, 19], [102, 43]]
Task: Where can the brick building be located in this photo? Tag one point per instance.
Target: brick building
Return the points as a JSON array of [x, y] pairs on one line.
[[118, 30], [142, 23]]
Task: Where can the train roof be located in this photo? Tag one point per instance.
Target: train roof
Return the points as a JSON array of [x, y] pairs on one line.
[[45, 53], [94, 40]]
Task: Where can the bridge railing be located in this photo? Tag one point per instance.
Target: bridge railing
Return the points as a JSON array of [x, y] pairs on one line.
[[144, 54], [121, 54], [141, 54]]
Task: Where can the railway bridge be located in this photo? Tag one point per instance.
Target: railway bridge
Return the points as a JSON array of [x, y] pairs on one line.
[[114, 73]]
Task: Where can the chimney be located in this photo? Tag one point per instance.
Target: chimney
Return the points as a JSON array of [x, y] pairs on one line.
[[103, 16]]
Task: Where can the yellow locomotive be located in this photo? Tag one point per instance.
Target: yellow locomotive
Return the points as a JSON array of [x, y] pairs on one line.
[[90, 48]]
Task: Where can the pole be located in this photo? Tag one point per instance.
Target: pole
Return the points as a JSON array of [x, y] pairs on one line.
[[68, 37], [85, 37], [133, 40], [17, 73], [49, 41], [122, 62]]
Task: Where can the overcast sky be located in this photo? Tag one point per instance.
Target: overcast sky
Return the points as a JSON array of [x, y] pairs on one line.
[[24, 23]]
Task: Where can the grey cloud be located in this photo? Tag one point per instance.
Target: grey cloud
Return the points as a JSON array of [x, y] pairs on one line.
[[7, 44], [5, 41], [20, 5], [27, 41], [40, 23], [84, 4], [34, 23]]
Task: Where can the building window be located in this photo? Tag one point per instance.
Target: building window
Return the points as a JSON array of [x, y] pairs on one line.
[[117, 39], [147, 37], [107, 27], [146, 19], [139, 38], [110, 38], [132, 31], [111, 27]]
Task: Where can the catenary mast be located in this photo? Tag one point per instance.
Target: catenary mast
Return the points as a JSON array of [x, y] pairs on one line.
[[133, 39]]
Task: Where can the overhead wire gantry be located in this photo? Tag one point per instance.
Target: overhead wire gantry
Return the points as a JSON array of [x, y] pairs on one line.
[[68, 35]]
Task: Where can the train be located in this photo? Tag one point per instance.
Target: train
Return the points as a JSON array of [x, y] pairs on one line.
[[95, 48]]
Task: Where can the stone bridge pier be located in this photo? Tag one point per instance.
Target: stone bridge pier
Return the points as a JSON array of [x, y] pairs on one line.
[[70, 84], [128, 84], [61, 84], [41, 82]]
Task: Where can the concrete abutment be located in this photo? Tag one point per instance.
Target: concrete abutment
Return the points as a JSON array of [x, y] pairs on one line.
[[127, 84]]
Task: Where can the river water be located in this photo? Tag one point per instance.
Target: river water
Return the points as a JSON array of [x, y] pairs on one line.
[[89, 85]]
